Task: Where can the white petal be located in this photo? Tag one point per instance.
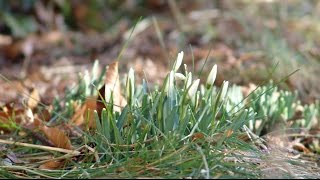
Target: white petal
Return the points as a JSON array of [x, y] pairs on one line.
[[131, 75], [224, 89], [171, 80], [212, 76], [189, 80], [107, 94], [178, 62], [130, 83], [180, 76], [193, 88], [185, 69]]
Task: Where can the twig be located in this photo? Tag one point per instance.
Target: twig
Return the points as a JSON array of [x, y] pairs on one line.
[[72, 152]]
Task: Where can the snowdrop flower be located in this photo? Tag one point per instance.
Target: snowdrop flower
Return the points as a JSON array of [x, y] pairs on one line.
[[180, 76], [193, 88], [185, 69], [189, 79], [197, 98], [212, 76], [86, 79], [178, 61], [130, 83], [170, 82], [224, 89]]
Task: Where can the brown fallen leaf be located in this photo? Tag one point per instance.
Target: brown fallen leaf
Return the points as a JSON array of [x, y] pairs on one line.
[[4, 117], [51, 165], [80, 117], [34, 98], [229, 132], [197, 136], [12, 51], [44, 114], [57, 137], [77, 118], [111, 84], [84, 115], [300, 147], [91, 106]]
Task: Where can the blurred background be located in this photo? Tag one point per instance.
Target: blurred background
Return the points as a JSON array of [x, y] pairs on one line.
[[46, 44]]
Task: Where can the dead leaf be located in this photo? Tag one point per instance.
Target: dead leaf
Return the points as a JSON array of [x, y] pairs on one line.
[[4, 117], [111, 83], [99, 103], [229, 132], [300, 147], [34, 98], [57, 137], [54, 164], [18, 48], [91, 105], [77, 118], [80, 117], [44, 114], [197, 136], [13, 50], [28, 116], [34, 125]]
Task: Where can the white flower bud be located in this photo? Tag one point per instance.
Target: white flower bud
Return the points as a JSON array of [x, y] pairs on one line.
[[185, 69], [178, 61], [180, 76], [170, 82], [224, 89], [130, 83], [193, 88], [189, 80], [212, 76]]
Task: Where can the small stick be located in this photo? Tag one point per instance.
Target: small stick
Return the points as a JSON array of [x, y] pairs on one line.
[[72, 152]]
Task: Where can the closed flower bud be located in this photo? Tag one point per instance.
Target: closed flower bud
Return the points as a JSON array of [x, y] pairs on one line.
[[189, 80], [193, 88], [178, 61], [212, 76], [130, 84], [180, 76], [224, 89]]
